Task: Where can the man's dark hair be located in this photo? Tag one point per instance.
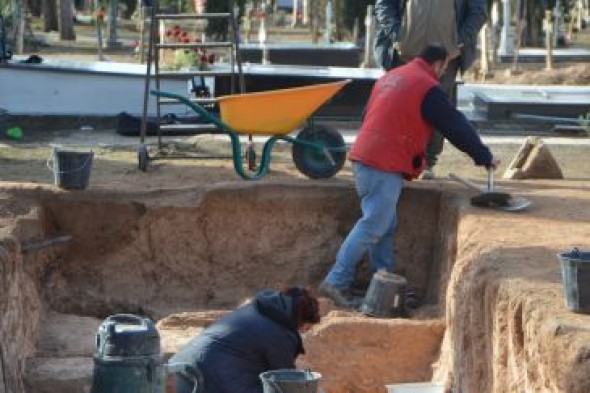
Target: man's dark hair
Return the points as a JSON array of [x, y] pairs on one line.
[[433, 53]]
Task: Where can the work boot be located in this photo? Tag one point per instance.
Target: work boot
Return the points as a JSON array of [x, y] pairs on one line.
[[340, 297]]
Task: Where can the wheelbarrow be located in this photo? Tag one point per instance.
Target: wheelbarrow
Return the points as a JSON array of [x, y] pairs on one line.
[[318, 152]]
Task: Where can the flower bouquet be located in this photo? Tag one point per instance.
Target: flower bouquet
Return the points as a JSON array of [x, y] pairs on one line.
[[190, 58]]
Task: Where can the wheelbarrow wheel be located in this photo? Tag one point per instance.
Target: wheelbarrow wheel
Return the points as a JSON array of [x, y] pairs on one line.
[[327, 155], [143, 158]]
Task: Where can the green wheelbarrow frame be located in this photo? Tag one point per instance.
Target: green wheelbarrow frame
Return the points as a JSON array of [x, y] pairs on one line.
[[262, 170]]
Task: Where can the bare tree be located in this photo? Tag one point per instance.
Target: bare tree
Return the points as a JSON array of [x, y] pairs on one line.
[[66, 20], [49, 11], [18, 24], [34, 7]]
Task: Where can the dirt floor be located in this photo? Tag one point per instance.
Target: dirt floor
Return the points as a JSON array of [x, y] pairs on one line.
[[188, 240]]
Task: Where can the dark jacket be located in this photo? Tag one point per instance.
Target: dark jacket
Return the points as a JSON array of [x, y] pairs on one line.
[[471, 16], [257, 337]]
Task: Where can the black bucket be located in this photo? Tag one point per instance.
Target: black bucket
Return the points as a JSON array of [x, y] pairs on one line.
[[127, 358], [385, 297], [575, 272], [290, 381], [71, 169]]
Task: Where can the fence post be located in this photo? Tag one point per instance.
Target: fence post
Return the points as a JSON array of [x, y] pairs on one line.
[[548, 27]]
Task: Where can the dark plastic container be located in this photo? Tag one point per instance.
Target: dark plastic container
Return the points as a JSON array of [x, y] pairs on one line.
[[128, 358], [575, 272], [71, 169], [385, 297]]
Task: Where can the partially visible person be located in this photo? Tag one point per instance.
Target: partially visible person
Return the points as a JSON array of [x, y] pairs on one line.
[[404, 106], [263, 335], [406, 27]]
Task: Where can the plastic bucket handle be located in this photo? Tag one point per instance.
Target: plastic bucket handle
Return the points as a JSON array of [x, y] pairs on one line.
[[52, 168], [273, 377]]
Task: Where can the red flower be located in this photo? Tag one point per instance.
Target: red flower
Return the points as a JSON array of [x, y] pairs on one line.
[[211, 58]]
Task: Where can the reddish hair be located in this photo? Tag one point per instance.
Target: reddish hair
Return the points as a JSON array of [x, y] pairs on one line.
[[305, 306]]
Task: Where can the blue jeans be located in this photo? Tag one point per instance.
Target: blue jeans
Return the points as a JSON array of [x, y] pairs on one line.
[[373, 232]]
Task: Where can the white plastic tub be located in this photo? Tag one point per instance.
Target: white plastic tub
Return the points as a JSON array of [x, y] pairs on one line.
[[417, 387]]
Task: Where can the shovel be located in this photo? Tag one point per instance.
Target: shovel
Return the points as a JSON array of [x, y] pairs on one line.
[[492, 199]]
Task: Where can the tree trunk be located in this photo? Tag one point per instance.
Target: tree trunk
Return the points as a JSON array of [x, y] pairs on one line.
[[18, 26], [112, 39], [49, 10], [34, 7], [66, 21]]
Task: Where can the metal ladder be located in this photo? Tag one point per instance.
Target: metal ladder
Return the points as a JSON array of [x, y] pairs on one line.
[[5, 54], [157, 44]]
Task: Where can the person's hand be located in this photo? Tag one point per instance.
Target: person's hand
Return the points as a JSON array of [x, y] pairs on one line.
[[494, 164], [454, 54]]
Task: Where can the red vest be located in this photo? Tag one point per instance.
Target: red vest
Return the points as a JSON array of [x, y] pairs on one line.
[[393, 136]]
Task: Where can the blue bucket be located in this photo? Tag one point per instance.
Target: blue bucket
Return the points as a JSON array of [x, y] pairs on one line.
[[290, 381], [575, 272]]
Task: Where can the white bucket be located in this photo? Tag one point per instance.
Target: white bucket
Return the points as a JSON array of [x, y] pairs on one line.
[[417, 387]]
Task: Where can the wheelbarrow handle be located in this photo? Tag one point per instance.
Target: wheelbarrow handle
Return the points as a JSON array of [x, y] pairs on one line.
[[195, 107]]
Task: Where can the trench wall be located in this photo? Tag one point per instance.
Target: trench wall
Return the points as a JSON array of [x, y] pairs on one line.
[[508, 330], [171, 251], [232, 241]]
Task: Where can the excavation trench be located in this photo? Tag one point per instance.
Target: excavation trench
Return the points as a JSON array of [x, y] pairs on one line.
[[186, 257]]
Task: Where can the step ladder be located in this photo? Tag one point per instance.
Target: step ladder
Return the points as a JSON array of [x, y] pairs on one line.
[[166, 41]]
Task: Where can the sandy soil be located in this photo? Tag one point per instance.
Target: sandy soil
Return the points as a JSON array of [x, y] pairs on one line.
[[503, 326]]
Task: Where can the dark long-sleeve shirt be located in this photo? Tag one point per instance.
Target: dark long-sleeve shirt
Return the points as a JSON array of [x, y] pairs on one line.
[[452, 124]]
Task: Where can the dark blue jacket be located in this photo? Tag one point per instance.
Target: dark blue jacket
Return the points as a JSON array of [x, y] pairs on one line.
[[470, 14], [257, 337]]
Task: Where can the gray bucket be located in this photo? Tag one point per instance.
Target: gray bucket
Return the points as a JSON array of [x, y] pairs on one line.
[[385, 297], [290, 381], [71, 169], [575, 272]]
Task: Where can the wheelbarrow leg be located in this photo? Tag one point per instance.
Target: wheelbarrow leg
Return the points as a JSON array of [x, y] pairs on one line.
[[250, 154]]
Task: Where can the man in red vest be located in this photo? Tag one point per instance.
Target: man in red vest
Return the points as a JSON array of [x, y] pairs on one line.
[[405, 105]]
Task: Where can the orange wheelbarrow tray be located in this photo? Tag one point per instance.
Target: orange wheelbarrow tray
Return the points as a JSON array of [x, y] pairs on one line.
[[318, 152]]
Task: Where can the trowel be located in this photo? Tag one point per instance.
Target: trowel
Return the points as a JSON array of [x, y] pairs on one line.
[[492, 199]]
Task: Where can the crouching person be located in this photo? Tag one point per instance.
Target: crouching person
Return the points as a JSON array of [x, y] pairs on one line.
[[229, 355]]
